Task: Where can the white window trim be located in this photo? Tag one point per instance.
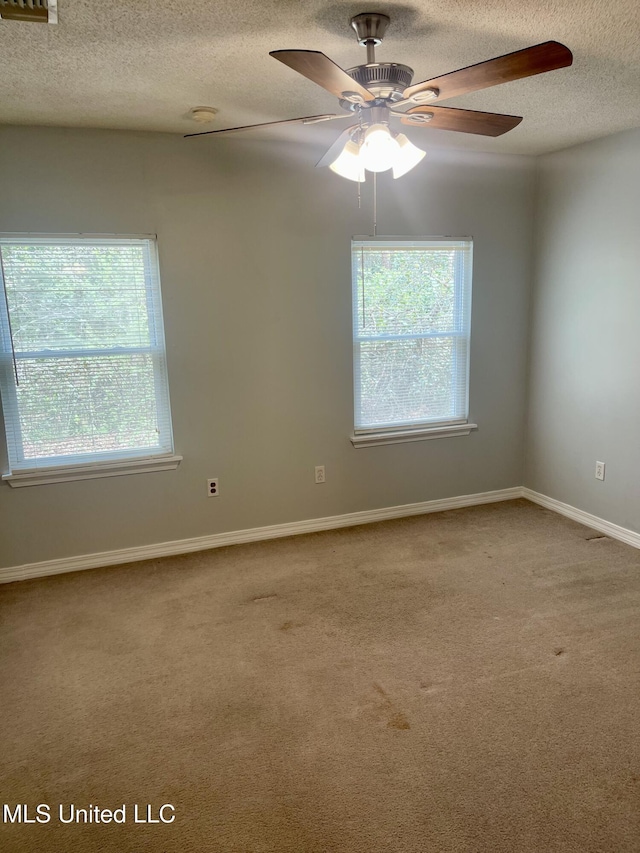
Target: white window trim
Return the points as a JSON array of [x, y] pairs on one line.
[[376, 436], [90, 471], [397, 436], [128, 463]]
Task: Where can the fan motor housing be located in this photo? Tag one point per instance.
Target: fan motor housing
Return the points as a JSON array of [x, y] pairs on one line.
[[385, 80]]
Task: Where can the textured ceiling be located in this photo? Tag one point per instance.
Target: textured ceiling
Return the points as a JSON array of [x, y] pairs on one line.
[[142, 64]]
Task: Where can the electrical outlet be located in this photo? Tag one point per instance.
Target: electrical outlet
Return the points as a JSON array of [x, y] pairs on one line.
[[213, 487], [599, 470], [320, 478]]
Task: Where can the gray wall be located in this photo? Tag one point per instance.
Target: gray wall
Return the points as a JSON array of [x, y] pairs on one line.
[[254, 252], [584, 402]]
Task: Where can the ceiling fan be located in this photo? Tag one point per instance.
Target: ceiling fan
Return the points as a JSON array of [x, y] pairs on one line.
[[377, 94]]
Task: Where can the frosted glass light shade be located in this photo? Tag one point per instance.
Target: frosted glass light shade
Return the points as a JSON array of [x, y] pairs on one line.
[[347, 164], [408, 156], [379, 149]]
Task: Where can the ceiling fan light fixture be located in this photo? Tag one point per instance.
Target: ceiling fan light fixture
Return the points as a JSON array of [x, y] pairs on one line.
[[379, 149], [408, 156], [375, 92], [348, 163]]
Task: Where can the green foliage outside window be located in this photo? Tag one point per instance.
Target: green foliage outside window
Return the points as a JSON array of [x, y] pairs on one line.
[[83, 329], [408, 332]]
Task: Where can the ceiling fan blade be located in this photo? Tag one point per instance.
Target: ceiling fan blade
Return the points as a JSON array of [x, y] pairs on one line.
[[302, 119], [321, 70], [335, 149], [503, 69], [463, 121]]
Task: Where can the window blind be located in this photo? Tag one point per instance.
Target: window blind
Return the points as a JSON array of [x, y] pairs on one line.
[[411, 332], [83, 375]]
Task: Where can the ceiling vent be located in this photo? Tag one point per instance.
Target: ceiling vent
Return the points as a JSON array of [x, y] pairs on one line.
[[38, 11]]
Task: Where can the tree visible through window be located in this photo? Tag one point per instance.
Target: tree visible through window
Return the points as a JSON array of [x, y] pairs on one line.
[[83, 361], [411, 320]]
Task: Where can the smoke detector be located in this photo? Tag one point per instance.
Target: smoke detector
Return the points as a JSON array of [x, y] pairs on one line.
[[203, 114]]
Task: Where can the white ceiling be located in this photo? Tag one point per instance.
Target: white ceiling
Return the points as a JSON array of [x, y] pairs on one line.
[[142, 64]]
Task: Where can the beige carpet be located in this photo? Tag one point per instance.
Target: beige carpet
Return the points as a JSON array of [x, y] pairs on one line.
[[467, 681]]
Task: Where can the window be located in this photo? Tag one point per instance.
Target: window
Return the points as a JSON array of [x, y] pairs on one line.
[[83, 371], [411, 330]]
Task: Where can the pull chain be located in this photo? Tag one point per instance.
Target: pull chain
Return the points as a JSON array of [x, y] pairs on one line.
[[375, 204], [360, 132]]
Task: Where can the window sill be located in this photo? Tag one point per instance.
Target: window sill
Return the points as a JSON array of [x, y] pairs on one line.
[[373, 439], [61, 474]]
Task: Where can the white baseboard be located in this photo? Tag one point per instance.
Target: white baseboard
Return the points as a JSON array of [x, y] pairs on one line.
[[313, 525], [630, 537], [255, 534]]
